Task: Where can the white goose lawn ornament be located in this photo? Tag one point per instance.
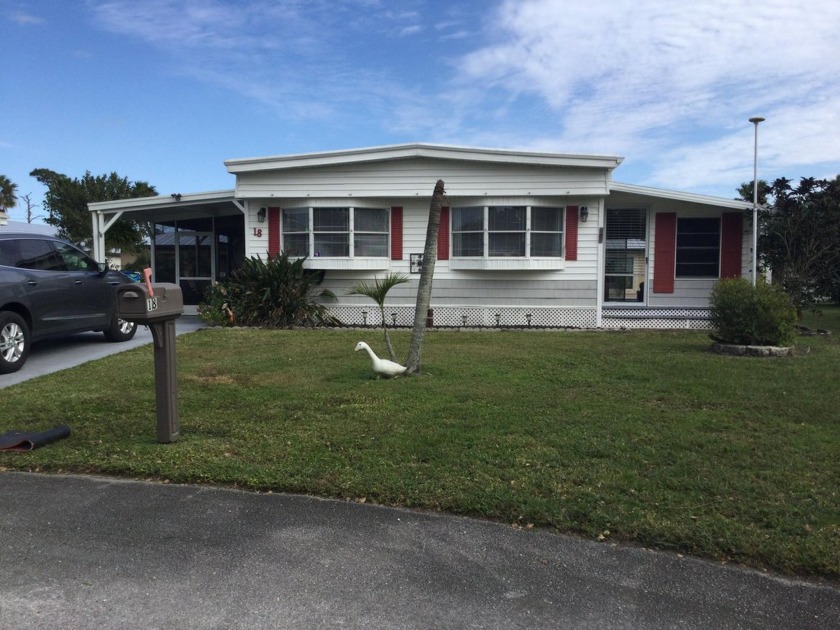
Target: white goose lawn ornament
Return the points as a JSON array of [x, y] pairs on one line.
[[381, 367]]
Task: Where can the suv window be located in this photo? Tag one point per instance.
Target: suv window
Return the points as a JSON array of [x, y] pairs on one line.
[[9, 253], [75, 259], [30, 253]]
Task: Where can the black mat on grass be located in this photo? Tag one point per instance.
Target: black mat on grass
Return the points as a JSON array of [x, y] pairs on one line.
[[29, 440]]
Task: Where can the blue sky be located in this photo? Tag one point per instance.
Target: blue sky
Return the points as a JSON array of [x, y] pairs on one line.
[[165, 90]]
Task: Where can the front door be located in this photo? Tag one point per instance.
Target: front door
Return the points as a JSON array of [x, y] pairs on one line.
[[195, 264], [625, 269]]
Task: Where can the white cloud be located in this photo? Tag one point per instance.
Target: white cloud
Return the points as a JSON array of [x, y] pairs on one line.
[[278, 53], [669, 85], [414, 29], [24, 18], [647, 77]]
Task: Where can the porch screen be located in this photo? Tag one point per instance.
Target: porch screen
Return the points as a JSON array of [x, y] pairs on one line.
[[626, 249]]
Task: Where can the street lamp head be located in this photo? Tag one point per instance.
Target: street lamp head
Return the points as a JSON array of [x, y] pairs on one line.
[[757, 119]]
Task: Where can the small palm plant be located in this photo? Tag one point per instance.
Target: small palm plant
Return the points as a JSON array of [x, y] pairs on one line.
[[377, 292]]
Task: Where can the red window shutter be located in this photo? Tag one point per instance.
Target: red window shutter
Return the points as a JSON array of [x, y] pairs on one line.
[[273, 231], [443, 234], [396, 233], [665, 252], [571, 232], [731, 243]]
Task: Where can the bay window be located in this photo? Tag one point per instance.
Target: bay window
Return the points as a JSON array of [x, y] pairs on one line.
[[507, 232], [336, 232]]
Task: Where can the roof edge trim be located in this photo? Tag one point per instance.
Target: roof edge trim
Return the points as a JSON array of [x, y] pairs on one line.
[[402, 151], [161, 201], [662, 193]]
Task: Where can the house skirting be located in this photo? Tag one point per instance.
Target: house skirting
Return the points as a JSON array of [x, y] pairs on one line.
[[655, 318], [451, 316]]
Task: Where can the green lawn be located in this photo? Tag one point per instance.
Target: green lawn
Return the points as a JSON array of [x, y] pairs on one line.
[[639, 436]]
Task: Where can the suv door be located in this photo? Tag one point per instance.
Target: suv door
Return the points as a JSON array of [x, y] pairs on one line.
[[94, 291], [66, 291], [40, 266]]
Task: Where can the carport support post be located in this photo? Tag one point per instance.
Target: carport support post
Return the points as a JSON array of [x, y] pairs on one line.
[[166, 383]]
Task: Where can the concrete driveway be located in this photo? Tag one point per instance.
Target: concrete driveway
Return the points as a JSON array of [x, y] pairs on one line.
[[60, 353]]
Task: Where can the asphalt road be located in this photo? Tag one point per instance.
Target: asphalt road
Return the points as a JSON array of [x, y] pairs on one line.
[[91, 552]]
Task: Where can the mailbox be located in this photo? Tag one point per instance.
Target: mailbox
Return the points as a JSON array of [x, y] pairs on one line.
[[157, 306], [149, 303]]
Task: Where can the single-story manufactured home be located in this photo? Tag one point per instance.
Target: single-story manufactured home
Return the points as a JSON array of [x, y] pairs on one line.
[[526, 238]]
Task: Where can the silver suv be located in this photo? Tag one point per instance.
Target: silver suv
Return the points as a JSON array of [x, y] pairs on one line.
[[50, 287]]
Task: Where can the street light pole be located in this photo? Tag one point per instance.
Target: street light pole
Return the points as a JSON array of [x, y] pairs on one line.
[[755, 120]]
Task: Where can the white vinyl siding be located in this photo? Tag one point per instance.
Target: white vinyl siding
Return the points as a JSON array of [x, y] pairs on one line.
[[417, 177]]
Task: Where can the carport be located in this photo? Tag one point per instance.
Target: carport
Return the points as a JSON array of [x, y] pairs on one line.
[[196, 238]]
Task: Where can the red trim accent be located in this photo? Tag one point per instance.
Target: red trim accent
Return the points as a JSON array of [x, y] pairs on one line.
[[731, 244], [571, 232], [396, 233], [443, 234], [273, 231], [665, 252]]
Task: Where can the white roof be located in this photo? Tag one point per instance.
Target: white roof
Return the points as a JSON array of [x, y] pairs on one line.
[[661, 193], [406, 151], [415, 150], [22, 227], [173, 200]]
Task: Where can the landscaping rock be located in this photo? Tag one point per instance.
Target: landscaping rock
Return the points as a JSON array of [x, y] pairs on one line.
[[751, 351]]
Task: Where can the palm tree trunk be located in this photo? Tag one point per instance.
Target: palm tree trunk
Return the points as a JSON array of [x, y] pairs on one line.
[[424, 289]]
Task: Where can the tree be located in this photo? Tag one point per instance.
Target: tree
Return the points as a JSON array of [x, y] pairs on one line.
[[8, 197], [746, 192], [30, 208], [799, 239], [66, 203], [427, 272], [378, 292]]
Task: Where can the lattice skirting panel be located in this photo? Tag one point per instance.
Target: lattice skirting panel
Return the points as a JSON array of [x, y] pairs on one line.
[[521, 317], [469, 316], [667, 318]]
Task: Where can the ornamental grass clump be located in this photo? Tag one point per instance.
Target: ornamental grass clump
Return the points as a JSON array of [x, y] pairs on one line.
[[743, 314]]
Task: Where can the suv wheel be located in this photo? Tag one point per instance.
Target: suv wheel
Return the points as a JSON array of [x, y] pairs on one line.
[[14, 342], [120, 330]]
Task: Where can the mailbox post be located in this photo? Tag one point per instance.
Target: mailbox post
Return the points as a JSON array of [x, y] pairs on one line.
[[158, 306]]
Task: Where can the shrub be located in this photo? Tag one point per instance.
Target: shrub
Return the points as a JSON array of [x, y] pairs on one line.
[[278, 293], [215, 307], [759, 315]]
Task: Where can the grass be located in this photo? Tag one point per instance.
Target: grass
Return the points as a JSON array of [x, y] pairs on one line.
[[641, 437]]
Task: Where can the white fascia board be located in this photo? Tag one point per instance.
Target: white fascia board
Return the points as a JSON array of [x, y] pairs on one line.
[[404, 151], [660, 193], [162, 201]]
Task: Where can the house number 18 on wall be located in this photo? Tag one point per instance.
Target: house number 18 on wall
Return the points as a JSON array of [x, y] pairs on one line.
[[258, 232]]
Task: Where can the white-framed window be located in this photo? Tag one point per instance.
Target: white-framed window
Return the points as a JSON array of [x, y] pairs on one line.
[[336, 232], [507, 232]]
